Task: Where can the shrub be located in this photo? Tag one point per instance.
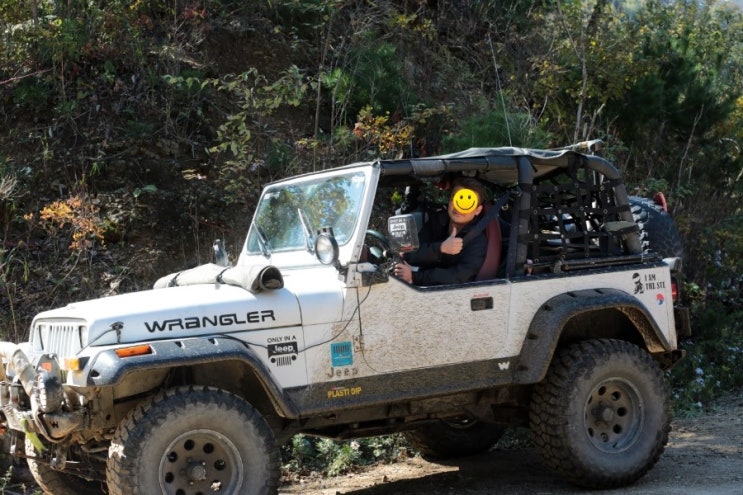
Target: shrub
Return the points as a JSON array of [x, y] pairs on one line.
[[714, 361], [306, 454], [496, 128]]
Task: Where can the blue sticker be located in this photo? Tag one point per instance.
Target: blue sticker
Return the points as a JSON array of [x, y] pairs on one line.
[[341, 353]]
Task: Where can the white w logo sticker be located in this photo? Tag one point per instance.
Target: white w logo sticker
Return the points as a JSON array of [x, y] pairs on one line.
[[504, 366]]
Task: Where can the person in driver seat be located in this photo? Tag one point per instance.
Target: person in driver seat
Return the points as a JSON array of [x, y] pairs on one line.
[[443, 257]]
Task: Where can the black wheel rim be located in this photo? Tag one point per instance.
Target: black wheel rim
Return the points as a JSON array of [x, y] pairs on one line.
[[201, 462], [613, 415]]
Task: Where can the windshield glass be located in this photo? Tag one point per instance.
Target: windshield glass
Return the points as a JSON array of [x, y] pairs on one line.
[[319, 202]]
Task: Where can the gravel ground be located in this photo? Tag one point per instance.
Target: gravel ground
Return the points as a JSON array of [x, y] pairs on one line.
[[704, 457]]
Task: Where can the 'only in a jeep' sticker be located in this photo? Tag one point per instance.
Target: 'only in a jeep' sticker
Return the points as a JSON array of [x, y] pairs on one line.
[[282, 353]]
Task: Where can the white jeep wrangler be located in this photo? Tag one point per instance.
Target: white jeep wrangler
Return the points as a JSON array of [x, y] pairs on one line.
[[191, 387]]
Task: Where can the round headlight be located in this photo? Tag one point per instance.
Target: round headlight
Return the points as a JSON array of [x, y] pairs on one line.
[[326, 249]]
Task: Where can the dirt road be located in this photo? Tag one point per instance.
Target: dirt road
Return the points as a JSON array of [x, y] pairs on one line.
[[704, 457]]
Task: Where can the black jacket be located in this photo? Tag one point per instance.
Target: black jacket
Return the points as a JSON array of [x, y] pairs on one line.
[[437, 268]]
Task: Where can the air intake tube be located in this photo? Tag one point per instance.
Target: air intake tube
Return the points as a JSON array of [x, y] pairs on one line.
[[18, 363]]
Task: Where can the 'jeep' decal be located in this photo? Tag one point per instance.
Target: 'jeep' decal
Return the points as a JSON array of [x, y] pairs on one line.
[[225, 320], [283, 354]]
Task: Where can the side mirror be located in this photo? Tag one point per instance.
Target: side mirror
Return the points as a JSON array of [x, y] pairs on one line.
[[326, 247], [403, 232]]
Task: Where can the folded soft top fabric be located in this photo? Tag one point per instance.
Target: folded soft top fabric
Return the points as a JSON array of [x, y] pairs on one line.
[[254, 278]]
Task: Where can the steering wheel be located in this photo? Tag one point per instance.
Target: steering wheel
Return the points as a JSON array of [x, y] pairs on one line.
[[379, 247]]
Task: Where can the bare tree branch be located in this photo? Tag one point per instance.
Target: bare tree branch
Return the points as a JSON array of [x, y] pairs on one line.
[[18, 78]]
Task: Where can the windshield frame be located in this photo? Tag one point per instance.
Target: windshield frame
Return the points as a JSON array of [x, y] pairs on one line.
[[293, 249]]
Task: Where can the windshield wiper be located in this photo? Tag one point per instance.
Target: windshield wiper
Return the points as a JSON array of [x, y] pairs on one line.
[[262, 240], [308, 238]]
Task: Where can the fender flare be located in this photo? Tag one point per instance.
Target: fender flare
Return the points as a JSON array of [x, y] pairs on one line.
[[107, 369], [548, 324]]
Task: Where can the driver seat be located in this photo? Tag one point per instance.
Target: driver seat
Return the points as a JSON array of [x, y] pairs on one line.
[[489, 267]]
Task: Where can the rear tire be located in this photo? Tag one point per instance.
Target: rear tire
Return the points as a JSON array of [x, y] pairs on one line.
[[193, 440], [601, 416], [452, 439]]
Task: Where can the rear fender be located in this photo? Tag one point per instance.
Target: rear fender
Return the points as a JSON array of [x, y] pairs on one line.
[[579, 315]]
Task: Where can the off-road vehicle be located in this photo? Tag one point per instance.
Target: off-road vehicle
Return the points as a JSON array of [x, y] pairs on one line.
[[190, 388]]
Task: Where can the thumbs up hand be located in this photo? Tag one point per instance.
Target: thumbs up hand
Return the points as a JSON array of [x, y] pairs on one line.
[[404, 272], [452, 244]]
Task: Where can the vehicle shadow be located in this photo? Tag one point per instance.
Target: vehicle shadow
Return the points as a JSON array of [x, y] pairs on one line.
[[512, 471], [520, 471]]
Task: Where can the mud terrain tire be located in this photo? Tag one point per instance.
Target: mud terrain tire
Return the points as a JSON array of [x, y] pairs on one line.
[[601, 416], [658, 232], [452, 439], [192, 440], [54, 482]]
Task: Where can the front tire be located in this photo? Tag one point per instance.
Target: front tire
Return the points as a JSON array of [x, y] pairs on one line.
[[192, 440], [54, 482], [601, 416]]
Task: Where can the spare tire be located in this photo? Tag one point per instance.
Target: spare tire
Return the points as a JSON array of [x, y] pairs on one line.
[[658, 231]]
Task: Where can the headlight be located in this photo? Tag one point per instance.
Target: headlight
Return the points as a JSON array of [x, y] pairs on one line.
[[83, 332]]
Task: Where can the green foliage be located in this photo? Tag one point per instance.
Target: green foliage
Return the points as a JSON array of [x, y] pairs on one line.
[[189, 84], [719, 253], [303, 17], [186, 104], [9, 194], [13, 269], [714, 362], [681, 78], [332, 458], [9, 482], [583, 61], [497, 128], [149, 188], [378, 81], [31, 94], [242, 136], [431, 124]]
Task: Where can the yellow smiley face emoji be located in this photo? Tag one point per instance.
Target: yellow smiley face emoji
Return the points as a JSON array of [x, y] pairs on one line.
[[465, 201]]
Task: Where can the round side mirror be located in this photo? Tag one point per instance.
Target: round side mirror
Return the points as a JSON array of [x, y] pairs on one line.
[[326, 248]]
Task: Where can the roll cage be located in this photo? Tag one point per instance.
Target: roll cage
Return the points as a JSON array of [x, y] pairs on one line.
[[566, 208]]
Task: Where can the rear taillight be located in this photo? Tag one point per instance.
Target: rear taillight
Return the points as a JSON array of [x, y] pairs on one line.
[[674, 290]]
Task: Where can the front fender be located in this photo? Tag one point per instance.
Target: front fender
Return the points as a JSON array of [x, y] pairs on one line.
[[548, 325], [107, 369]]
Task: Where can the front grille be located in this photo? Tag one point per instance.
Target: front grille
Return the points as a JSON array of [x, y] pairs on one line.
[[63, 338], [283, 360]]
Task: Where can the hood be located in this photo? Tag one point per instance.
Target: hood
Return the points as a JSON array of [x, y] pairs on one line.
[[175, 312]]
